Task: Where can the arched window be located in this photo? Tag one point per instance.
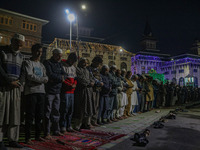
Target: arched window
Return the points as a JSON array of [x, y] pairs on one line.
[[111, 63], [123, 66]]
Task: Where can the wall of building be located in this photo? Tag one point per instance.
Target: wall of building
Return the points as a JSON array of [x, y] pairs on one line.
[[109, 53], [30, 27]]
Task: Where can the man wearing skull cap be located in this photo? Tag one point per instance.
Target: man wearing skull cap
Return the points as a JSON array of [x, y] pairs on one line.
[[10, 92]]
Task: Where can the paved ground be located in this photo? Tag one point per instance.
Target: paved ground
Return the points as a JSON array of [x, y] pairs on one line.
[[135, 123], [128, 126], [180, 134], [173, 135]]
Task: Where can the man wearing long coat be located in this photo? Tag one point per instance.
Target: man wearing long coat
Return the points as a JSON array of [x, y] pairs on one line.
[[83, 96], [10, 93]]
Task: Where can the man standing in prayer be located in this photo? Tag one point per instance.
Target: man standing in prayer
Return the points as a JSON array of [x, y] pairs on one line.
[[95, 73], [67, 93], [10, 94], [56, 77], [35, 78], [113, 94], [83, 96]]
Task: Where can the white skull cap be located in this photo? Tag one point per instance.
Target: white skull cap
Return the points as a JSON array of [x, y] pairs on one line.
[[19, 37], [105, 66], [57, 51]]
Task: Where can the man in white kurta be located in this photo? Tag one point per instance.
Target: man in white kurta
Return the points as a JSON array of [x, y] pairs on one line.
[[134, 97]]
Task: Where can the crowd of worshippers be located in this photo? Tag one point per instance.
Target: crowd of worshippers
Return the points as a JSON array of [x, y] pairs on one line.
[[57, 91]]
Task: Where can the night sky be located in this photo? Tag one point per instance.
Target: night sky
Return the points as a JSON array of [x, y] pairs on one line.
[[175, 23]]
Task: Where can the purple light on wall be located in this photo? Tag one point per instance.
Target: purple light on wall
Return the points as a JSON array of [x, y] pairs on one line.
[[146, 57]]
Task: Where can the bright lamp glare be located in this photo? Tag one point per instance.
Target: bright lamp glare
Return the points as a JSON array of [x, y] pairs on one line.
[[83, 7], [67, 11], [71, 17], [121, 50]]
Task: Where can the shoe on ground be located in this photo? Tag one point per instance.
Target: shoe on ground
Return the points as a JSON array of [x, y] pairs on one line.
[[95, 125], [134, 114], [15, 144], [114, 120], [120, 118], [70, 129], [29, 142], [64, 132], [109, 121], [58, 134], [40, 139], [125, 116], [90, 126], [100, 123], [48, 137], [78, 130], [104, 122], [86, 127], [2, 146]]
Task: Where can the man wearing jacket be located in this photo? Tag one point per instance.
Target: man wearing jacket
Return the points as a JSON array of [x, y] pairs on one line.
[[95, 73], [67, 93], [35, 78], [10, 93], [113, 94], [104, 95], [56, 77]]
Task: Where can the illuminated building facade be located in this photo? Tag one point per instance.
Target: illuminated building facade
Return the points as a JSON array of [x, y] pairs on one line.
[[182, 69], [111, 54]]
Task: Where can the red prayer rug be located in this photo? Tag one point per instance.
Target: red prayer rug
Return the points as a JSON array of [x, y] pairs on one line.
[[84, 140]]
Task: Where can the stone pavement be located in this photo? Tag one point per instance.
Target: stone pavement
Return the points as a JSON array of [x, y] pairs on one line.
[[127, 126], [131, 125]]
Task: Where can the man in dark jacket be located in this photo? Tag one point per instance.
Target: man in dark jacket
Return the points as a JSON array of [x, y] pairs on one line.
[[56, 77], [113, 94], [104, 95], [95, 73]]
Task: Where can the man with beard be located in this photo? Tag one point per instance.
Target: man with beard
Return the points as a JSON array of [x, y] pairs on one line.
[[113, 94], [10, 93], [56, 76], [104, 95], [83, 96], [95, 73]]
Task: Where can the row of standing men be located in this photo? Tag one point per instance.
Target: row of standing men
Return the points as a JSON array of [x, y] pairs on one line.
[[57, 90]]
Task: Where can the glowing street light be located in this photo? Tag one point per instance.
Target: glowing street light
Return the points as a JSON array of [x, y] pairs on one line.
[[121, 50], [83, 7], [71, 17]]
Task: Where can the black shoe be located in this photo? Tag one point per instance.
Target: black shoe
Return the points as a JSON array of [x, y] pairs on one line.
[[2, 146], [86, 127], [15, 144], [100, 123], [76, 129], [104, 122], [70, 130]]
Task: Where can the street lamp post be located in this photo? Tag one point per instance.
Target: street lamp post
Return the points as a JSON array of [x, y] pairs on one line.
[[71, 18], [77, 36]]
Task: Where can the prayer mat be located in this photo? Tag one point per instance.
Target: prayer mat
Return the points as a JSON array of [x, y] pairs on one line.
[[84, 140]]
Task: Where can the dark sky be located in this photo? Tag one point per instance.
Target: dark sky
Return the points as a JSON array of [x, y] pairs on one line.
[[175, 23]]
